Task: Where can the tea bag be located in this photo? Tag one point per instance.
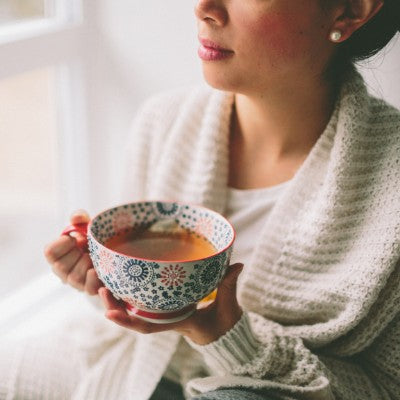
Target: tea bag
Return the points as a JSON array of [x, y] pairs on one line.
[[166, 226]]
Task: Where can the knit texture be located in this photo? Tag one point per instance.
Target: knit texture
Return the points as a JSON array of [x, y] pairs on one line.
[[321, 293], [323, 286]]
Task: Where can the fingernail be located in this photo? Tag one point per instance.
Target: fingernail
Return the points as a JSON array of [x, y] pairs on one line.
[[80, 213]]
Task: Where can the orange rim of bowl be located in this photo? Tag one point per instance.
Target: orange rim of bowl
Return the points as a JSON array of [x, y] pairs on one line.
[[166, 261]]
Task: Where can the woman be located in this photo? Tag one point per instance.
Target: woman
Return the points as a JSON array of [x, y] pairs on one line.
[[305, 163]]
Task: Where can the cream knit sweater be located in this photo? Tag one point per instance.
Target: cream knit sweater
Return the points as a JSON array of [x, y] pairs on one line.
[[322, 292]]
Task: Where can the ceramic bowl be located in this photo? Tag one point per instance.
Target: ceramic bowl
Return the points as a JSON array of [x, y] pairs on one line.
[[155, 290]]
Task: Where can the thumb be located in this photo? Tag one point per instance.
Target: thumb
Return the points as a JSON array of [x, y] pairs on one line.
[[79, 217], [227, 288]]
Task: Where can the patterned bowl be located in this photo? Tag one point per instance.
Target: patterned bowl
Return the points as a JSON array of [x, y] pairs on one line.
[[153, 290]]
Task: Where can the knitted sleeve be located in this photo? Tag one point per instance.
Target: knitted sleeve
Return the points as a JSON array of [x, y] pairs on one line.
[[256, 353], [374, 373]]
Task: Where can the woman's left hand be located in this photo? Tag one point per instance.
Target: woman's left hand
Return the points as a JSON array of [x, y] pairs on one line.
[[205, 326]]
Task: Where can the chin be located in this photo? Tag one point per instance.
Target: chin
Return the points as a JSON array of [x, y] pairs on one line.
[[221, 81]]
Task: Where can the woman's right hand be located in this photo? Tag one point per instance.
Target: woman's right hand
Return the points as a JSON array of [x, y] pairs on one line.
[[71, 262]]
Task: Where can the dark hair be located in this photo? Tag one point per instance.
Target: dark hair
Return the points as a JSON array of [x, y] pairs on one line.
[[374, 35], [369, 39]]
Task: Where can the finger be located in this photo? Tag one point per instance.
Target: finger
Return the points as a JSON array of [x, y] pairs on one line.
[[226, 295], [59, 248], [109, 301], [116, 312], [79, 217], [92, 283], [127, 321], [77, 276], [81, 241], [229, 281], [64, 265]]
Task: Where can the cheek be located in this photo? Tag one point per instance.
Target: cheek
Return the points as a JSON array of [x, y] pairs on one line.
[[280, 36]]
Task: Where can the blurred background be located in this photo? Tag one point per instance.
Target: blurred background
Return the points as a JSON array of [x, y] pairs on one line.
[[72, 74]]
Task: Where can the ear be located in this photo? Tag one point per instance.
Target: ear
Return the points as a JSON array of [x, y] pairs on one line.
[[353, 14]]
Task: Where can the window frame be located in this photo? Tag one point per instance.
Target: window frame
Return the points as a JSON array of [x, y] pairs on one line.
[[58, 41]]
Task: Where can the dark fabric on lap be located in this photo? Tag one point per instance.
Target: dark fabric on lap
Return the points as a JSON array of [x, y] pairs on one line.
[[231, 394], [168, 390]]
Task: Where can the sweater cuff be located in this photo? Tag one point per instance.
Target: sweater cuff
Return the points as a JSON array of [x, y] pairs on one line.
[[237, 347]]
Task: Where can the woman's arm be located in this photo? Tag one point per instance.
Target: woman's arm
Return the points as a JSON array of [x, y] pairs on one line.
[[378, 366], [258, 352]]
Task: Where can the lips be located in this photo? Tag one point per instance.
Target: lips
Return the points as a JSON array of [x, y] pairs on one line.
[[211, 51]]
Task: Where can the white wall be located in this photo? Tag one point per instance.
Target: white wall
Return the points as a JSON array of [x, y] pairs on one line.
[[382, 73], [138, 48]]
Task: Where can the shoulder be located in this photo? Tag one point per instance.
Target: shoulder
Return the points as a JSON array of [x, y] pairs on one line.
[[367, 117], [384, 134], [384, 116]]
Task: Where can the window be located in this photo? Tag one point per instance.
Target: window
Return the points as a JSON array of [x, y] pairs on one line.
[[17, 10], [42, 130], [28, 172]]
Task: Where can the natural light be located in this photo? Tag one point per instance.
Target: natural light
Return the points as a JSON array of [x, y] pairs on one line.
[[303, 164]]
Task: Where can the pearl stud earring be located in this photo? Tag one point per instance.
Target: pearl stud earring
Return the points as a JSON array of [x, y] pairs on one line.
[[335, 35]]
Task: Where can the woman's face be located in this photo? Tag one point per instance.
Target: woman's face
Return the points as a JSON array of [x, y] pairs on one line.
[[249, 45]]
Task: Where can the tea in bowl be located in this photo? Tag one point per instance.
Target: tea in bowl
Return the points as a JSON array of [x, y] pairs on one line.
[[160, 258]]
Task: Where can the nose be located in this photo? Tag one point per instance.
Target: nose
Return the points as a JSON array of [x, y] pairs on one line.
[[212, 12]]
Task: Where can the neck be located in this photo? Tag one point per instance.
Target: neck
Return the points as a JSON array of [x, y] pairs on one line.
[[285, 122]]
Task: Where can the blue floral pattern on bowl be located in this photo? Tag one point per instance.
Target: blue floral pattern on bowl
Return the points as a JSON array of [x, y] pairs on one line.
[[159, 286]]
